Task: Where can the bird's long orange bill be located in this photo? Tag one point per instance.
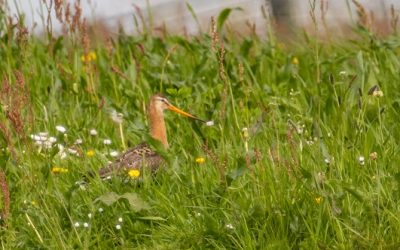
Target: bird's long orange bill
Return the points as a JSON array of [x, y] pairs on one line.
[[181, 112]]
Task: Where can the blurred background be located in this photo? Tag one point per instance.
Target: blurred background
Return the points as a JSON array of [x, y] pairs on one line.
[[175, 16]]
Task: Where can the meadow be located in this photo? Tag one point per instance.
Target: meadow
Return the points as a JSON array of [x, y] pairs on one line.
[[304, 152]]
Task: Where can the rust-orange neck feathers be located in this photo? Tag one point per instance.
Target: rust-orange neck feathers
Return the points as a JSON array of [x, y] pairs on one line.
[[157, 124]]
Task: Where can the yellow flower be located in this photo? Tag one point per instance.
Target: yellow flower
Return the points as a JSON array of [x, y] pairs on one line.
[[90, 153], [134, 173], [200, 160], [295, 61], [33, 203], [91, 56], [58, 170], [318, 200]]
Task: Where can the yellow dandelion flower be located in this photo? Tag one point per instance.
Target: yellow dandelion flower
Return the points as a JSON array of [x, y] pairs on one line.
[[295, 61], [91, 56], [318, 200], [90, 153], [200, 160], [134, 173], [59, 170]]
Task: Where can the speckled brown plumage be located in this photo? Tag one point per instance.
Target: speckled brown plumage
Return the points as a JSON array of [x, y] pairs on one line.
[[135, 158], [142, 155]]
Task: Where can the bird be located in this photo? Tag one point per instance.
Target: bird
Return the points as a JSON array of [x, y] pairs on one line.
[[142, 155]]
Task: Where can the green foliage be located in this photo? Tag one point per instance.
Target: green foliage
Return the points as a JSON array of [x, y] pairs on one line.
[[134, 201], [287, 164]]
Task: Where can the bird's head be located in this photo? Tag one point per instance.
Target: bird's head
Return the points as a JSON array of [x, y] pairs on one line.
[[160, 103]]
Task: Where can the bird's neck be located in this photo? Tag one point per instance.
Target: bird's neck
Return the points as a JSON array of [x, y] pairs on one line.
[[157, 127]]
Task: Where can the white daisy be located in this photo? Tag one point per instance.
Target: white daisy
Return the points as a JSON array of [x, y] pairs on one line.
[[61, 129]]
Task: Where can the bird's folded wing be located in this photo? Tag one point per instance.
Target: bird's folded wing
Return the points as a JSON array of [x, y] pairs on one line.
[[135, 158]]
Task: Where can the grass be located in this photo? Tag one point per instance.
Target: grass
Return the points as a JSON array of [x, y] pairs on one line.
[[293, 179]]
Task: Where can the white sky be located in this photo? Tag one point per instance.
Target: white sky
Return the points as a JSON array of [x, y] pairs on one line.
[[174, 13]]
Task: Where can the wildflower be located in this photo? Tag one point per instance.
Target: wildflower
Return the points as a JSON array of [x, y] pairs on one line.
[[91, 56], [320, 178], [52, 139], [63, 155], [76, 224], [295, 61], [378, 93], [375, 91], [100, 210], [373, 156], [35, 137], [245, 132], [61, 151], [342, 73], [327, 161], [73, 151], [93, 132], [61, 129], [90, 153], [86, 224], [318, 200], [33, 203], [78, 141], [39, 143], [134, 173], [47, 144], [117, 117], [361, 160], [210, 123], [118, 227], [114, 153], [59, 170], [229, 226], [89, 215], [120, 219], [198, 214], [200, 160], [107, 141]]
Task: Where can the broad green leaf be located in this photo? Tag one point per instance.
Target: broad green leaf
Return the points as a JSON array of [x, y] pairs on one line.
[[108, 199], [133, 199]]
